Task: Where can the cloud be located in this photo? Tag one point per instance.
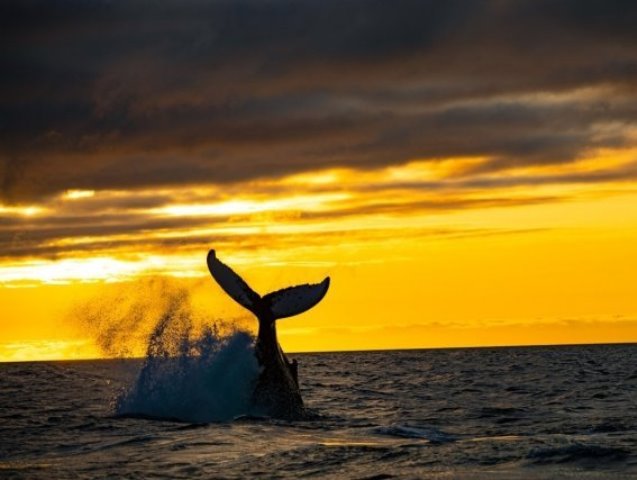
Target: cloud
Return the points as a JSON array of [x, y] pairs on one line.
[[115, 95], [355, 201]]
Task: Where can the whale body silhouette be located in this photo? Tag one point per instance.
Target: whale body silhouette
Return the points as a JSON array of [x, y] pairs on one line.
[[276, 392]]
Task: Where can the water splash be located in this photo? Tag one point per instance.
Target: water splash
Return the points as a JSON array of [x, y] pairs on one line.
[[196, 368], [212, 379], [121, 320], [192, 374]]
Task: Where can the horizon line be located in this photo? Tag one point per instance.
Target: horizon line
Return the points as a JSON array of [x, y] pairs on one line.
[[371, 350]]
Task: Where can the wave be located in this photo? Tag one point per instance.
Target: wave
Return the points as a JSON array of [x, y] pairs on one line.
[[433, 435], [577, 453]]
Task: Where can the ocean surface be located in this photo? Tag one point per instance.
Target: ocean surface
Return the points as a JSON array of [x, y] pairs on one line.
[[541, 412]]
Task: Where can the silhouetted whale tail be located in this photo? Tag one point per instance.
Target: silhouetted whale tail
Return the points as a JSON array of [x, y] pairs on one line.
[[283, 303], [276, 391]]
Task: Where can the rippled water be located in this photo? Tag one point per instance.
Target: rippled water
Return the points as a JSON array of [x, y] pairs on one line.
[[554, 412]]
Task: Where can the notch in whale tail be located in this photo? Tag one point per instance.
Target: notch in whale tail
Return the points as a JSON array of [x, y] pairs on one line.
[[283, 303]]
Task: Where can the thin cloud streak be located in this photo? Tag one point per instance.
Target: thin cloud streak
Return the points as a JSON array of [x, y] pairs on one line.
[[339, 201]]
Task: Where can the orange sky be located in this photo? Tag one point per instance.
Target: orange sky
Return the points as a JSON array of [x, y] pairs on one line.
[[466, 172], [462, 266]]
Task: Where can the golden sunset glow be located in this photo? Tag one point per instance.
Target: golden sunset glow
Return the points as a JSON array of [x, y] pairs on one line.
[[463, 182], [426, 258]]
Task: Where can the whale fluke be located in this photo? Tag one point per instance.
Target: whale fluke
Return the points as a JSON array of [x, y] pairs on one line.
[[283, 303]]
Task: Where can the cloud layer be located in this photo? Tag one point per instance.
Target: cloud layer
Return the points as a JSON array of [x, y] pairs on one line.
[[139, 95]]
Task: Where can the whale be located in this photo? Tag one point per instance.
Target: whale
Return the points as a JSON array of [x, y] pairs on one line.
[[276, 391]]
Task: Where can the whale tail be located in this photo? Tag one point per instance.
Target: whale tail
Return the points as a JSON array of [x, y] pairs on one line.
[[283, 303]]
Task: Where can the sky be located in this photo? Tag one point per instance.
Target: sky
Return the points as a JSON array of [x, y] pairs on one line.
[[465, 171]]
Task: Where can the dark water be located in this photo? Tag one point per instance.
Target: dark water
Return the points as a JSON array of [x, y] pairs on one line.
[[555, 412]]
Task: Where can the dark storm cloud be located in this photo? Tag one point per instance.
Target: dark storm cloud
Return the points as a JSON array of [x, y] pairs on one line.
[[103, 95]]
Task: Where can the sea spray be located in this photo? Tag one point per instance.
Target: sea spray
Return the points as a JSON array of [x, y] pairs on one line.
[[212, 379], [195, 377], [196, 368], [123, 318]]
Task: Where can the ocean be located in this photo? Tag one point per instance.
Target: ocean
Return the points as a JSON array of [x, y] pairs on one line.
[[536, 412]]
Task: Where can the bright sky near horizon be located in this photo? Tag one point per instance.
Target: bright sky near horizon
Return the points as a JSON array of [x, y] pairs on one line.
[[463, 182]]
